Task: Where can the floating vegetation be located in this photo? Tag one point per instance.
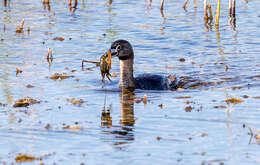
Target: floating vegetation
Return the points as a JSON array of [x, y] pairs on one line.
[[188, 109], [220, 106], [25, 158], [75, 101], [183, 97], [182, 59], [73, 128], [58, 76], [48, 126], [234, 100], [160, 105], [25, 102], [29, 86], [58, 38]]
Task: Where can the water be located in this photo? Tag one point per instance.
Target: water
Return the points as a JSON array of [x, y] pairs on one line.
[[132, 133]]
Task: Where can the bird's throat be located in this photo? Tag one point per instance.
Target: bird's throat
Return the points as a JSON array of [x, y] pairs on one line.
[[126, 74]]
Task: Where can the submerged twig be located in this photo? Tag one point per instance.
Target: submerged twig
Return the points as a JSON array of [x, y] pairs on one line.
[[89, 61]]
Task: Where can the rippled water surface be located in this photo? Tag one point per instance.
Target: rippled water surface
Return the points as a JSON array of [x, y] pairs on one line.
[[187, 126]]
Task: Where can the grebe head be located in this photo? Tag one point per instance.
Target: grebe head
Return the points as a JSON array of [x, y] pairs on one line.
[[122, 49]]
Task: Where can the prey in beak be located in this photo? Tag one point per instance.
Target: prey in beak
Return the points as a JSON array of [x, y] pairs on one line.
[[105, 65]]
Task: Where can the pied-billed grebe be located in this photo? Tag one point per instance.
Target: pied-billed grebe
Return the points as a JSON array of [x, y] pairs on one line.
[[124, 51]]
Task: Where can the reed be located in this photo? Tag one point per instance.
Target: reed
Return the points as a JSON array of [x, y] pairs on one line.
[[230, 8], [234, 9], [217, 14], [49, 57], [162, 4], [195, 3], [205, 10], [210, 12], [19, 29], [185, 4], [5, 3]]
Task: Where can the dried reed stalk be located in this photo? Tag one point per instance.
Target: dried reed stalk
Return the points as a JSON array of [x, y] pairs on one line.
[[230, 7], [185, 4], [217, 14], [234, 8], [205, 10], [210, 12], [162, 3]]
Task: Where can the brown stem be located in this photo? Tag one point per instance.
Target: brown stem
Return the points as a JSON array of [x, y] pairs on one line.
[[162, 3], [234, 8]]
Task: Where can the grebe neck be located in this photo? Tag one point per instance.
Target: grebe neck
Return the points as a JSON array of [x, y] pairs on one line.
[[126, 74]]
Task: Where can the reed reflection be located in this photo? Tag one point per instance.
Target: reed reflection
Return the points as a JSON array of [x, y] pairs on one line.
[[124, 133]]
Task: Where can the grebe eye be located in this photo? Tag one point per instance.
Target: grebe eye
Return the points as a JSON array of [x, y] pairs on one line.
[[118, 47]]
